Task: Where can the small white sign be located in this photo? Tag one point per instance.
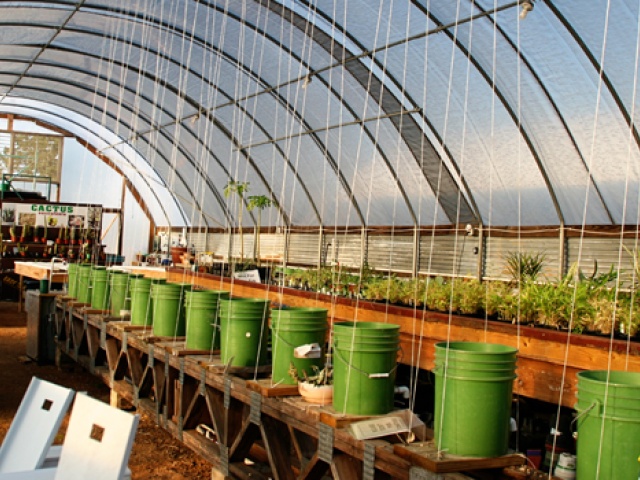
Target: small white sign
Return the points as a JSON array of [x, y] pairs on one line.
[[248, 276], [378, 427], [311, 350]]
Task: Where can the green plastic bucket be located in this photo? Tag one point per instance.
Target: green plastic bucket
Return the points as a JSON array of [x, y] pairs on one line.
[[83, 293], [141, 311], [291, 328], [365, 359], [99, 288], [243, 331], [167, 302], [72, 280], [120, 303], [201, 314], [473, 385], [608, 422]]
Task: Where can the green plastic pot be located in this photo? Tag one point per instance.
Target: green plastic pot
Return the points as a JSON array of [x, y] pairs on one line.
[[167, 302], [120, 301], [201, 314], [83, 293], [99, 288], [365, 360], [291, 328], [72, 280], [141, 311], [479, 375], [608, 422], [244, 332]]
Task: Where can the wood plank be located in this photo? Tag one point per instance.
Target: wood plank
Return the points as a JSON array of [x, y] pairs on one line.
[[265, 388], [277, 442], [41, 271], [426, 455], [178, 347], [339, 420], [345, 467], [315, 469]]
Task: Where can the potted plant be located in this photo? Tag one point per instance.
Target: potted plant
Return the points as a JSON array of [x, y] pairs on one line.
[[73, 236], [37, 234], [316, 388], [14, 232], [22, 251]]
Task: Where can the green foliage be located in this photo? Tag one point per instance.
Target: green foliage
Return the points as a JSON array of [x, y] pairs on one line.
[[320, 376], [524, 267], [258, 201], [238, 188]]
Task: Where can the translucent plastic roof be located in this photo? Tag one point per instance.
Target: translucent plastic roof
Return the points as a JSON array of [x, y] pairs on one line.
[[350, 112]]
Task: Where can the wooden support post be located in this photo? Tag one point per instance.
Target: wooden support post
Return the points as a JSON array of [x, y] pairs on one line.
[[314, 470], [115, 400], [277, 442], [345, 467]]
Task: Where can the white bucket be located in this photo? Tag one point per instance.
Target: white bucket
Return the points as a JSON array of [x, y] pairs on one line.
[[566, 467]]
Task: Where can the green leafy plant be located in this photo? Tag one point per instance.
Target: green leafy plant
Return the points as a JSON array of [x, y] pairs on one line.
[[524, 267], [238, 189], [260, 202], [319, 376]]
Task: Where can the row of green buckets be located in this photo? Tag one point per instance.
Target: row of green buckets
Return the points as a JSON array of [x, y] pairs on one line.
[[101, 288], [365, 358]]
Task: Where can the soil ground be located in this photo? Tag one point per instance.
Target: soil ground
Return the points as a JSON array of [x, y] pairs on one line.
[[156, 454]]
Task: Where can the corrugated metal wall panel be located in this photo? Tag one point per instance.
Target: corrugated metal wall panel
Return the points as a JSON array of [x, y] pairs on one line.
[[346, 249], [387, 252], [247, 240], [218, 243], [607, 252], [198, 240], [303, 248], [498, 248], [272, 245], [448, 255]]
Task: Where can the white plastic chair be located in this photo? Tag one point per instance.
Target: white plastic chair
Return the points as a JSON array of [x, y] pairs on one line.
[[97, 445], [34, 426]]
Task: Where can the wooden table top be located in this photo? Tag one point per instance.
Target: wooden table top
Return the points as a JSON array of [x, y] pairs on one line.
[[42, 271]]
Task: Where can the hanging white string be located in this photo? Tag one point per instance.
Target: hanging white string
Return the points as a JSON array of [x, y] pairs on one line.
[[444, 142], [631, 146], [413, 382], [590, 160]]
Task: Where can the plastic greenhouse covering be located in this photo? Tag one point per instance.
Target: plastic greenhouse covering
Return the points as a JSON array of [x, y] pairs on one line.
[[348, 113]]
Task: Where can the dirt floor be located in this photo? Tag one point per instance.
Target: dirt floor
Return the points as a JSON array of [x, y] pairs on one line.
[[155, 455]]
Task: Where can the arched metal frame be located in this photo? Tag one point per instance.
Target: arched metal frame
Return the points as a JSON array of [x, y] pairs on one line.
[[442, 173]]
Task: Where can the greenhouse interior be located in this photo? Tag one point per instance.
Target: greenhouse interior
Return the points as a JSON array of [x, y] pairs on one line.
[[343, 239]]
